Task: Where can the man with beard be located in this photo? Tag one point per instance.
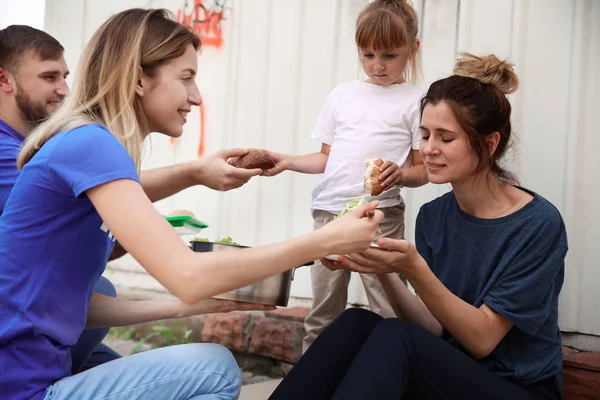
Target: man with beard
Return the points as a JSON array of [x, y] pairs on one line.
[[32, 76], [32, 87]]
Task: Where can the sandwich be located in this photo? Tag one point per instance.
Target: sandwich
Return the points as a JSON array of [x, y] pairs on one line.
[[351, 205], [371, 176]]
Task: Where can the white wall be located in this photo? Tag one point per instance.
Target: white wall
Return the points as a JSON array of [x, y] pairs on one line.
[[31, 12], [264, 88]]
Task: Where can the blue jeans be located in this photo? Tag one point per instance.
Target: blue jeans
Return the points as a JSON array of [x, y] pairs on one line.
[[189, 371], [89, 351]]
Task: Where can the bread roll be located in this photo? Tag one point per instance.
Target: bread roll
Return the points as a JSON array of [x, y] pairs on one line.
[[256, 158], [182, 212]]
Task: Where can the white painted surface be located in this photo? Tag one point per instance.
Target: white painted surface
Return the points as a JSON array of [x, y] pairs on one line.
[[265, 87], [31, 12]]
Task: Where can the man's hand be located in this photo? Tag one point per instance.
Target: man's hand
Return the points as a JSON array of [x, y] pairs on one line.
[[214, 172], [211, 306]]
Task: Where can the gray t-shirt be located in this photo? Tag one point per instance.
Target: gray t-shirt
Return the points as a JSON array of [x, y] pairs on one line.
[[513, 264]]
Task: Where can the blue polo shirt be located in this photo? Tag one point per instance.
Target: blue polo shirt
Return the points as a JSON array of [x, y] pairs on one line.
[[515, 265], [53, 248], [10, 145]]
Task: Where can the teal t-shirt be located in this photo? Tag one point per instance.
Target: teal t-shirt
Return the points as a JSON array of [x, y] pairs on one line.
[[513, 264]]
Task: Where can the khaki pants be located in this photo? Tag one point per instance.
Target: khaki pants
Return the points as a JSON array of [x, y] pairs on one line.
[[330, 288]]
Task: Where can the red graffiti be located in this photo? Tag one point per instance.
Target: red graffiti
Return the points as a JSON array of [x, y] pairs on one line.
[[202, 119], [205, 21]]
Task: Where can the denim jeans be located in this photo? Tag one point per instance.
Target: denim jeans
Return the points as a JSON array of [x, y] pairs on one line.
[[189, 371]]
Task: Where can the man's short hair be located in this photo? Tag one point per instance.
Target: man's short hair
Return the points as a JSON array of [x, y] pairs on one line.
[[16, 40]]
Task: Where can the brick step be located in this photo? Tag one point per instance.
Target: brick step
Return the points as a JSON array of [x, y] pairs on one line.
[[278, 335]]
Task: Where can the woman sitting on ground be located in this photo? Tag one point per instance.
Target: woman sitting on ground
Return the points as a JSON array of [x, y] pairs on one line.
[[487, 269]]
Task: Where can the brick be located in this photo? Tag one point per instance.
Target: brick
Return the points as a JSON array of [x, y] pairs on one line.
[[278, 339], [583, 360], [229, 330], [580, 384], [567, 350], [285, 367], [292, 313]]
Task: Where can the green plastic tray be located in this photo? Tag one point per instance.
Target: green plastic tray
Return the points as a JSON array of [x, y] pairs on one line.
[[186, 224]]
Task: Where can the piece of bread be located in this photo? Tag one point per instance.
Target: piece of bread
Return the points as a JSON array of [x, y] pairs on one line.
[[371, 176], [182, 212], [256, 158]]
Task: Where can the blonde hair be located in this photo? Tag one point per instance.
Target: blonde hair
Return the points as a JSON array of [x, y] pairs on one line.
[[390, 24], [104, 88]]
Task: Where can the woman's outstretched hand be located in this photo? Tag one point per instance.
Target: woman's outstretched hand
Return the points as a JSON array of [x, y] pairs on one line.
[[354, 232], [399, 256]]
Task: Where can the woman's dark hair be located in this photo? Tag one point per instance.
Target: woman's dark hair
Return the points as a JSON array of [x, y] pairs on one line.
[[476, 94]]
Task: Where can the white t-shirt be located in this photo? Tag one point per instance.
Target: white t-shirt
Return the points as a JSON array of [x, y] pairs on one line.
[[362, 120]]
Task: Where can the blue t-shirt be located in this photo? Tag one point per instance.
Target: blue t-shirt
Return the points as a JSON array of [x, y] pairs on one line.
[[10, 145], [53, 246], [513, 264]]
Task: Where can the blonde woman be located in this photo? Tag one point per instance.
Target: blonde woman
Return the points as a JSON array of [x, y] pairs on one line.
[[79, 190]]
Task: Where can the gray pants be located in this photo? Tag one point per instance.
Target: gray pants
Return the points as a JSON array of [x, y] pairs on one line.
[[330, 288]]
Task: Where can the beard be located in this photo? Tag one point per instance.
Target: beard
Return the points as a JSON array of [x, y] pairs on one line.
[[33, 112]]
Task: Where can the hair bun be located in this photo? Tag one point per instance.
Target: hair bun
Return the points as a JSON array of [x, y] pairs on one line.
[[392, 2], [489, 70]]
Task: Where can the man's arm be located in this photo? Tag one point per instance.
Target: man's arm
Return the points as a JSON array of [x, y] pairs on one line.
[[105, 311]]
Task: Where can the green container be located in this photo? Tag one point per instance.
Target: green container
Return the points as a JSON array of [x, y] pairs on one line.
[[186, 224]]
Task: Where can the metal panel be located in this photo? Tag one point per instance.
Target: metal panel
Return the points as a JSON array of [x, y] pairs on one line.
[[265, 86]]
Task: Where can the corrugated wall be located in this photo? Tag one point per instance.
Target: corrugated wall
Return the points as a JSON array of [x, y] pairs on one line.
[[265, 83]]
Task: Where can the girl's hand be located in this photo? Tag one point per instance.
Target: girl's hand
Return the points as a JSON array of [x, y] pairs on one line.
[[399, 256], [281, 165], [354, 232], [390, 174]]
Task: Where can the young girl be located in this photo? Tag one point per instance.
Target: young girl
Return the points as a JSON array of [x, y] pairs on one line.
[[79, 190], [488, 268], [365, 120]]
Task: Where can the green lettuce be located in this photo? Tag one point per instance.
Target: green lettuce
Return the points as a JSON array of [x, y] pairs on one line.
[[350, 206], [225, 240]]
